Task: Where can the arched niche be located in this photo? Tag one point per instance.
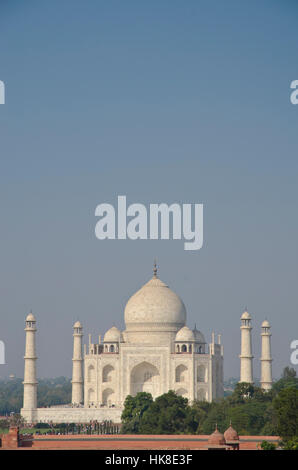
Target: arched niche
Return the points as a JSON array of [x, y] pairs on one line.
[[202, 373], [181, 373], [145, 377], [91, 396], [90, 373], [108, 373], [108, 397]]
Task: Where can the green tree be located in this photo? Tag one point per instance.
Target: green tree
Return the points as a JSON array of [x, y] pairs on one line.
[[217, 415], [269, 428], [50, 392], [288, 373], [198, 412], [134, 408], [285, 406], [265, 445], [166, 415], [291, 444], [192, 421], [243, 391], [16, 420], [288, 380]]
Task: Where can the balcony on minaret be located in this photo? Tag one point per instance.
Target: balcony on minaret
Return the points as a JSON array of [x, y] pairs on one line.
[[30, 323]]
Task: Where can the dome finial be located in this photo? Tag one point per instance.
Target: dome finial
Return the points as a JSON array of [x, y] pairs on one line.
[[155, 268]]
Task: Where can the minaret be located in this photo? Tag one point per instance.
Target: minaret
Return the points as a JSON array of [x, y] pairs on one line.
[[77, 365], [266, 359], [30, 382], [246, 356]]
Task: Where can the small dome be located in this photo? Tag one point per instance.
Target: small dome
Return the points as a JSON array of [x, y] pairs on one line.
[[245, 316], [216, 438], [30, 317], [266, 324], [199, 337], [77, 324], [230, 434], [185, 334], [113, 335]]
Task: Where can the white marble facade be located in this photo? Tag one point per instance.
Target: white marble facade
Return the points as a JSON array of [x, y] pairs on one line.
[[155, 353]]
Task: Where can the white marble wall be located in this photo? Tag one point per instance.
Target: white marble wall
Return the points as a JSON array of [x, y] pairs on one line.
[[74, 415]]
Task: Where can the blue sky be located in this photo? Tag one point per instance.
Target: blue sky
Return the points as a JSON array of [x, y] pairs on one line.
[[163, 101]]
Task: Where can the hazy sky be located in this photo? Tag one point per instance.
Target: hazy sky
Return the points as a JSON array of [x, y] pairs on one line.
[[161, 101]]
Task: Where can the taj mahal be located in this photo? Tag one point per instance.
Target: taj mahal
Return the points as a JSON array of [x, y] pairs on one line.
[[156, 352]]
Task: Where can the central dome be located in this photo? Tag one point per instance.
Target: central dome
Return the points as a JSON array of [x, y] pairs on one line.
[[155, 307]]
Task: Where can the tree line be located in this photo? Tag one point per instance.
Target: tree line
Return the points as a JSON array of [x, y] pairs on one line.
[[49, 392], [251, 410]]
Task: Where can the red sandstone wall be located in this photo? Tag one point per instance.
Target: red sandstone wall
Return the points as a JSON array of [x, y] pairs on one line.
[[10, 440], [139, 442], [122, 442]]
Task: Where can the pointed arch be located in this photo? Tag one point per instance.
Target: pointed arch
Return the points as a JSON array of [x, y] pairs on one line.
[[181, 373], [108, 397], [91, 396], [91, 373], [145, 377], [202, 373], [108, 373]]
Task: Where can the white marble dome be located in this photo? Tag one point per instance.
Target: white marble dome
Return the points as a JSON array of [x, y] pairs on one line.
[[199, 337], [155, 306], [185, 334], [245, 316], [30, 317], [112, 335]]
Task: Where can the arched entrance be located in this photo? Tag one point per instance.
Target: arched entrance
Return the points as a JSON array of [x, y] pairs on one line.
[[145, 378], [108, 397], [91, 396]]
